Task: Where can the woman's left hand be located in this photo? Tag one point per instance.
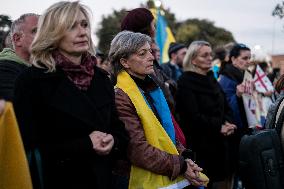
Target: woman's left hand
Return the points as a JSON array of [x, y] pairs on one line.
[[2, 106]]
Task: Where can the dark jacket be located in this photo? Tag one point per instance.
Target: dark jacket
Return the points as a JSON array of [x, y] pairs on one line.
[[230, 77], [172, 71], [202, 109], [167, 85], [10, 67], [56, 117]]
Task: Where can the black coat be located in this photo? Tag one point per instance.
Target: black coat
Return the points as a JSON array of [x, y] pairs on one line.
[[9, 71], [57, 118], [202, 109]]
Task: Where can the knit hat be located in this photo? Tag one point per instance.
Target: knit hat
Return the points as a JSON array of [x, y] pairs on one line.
[[174, 47], [137, 20]]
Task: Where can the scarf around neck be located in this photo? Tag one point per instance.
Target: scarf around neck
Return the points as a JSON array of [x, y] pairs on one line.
[[81, 75], [155, 135]]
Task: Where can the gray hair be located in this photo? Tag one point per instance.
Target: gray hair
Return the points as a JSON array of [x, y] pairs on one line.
[[123, 45], [191, 54], [17, 24]]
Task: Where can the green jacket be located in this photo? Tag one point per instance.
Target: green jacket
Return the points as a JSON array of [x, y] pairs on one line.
[[9, 54]]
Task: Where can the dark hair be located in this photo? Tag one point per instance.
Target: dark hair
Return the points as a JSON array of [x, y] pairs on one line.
[[138, 20], [237, 48], [220, 53]]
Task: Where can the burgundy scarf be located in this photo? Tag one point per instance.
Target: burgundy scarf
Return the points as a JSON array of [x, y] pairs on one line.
[[81, 75]]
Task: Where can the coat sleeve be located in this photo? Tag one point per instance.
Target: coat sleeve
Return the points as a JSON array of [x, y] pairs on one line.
[[229, 88], [9, 71], [140, 152], [120, 135]]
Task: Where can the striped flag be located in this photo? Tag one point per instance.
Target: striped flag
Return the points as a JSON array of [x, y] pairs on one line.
[[164, 35]]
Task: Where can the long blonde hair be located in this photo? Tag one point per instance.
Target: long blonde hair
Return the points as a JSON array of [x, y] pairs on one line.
[[191, 54], [52, 25]]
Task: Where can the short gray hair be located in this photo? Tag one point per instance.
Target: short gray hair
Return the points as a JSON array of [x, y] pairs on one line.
[[192, 53], [16, 25], [123, 45]]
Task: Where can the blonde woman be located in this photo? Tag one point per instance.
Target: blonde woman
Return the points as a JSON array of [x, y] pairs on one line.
[[204, 112], [65, 104]]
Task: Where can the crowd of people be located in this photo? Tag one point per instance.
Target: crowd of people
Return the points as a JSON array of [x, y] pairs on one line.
[[123, 120]]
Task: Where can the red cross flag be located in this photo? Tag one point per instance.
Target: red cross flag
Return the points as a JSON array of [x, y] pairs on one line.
[[261, 81]]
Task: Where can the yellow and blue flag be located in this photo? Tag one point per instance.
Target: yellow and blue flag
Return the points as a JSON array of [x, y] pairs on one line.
[[164, 35]]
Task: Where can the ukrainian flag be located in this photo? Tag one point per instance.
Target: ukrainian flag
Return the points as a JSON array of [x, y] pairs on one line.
[[164, 35]]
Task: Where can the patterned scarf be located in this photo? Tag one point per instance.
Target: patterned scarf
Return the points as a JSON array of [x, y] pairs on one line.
[[81, 75]]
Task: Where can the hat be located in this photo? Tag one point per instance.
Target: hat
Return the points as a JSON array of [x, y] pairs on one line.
[[174, 47], [137, 20]]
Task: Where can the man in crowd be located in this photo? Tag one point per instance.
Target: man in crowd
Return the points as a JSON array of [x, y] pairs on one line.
[[13, 61], [173, 68]]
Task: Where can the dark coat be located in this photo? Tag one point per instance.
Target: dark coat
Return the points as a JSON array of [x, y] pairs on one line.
[[173, 72], [230, 77], [57, 118], [9, 71], [202, 109]]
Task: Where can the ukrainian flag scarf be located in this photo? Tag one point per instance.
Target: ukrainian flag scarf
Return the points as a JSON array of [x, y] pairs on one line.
[[155, 135]]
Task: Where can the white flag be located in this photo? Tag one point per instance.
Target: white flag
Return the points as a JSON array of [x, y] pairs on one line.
[[261, 81]]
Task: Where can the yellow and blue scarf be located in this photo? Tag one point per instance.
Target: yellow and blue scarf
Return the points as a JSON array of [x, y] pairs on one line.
[[156, 135]]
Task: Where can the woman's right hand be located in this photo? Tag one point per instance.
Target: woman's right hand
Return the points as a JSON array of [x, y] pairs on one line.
[[102, 142], [240, 89], [192, 173], [228, 128]]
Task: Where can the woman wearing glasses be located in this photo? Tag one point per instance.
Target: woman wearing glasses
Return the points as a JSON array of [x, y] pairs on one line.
[[204, 113]]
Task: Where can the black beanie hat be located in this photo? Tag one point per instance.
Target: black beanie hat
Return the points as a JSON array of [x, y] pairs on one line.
[[174, 47]]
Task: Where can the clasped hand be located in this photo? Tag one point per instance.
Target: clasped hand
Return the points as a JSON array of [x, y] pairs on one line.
[[102, 142], [228, 128], [192, 173]]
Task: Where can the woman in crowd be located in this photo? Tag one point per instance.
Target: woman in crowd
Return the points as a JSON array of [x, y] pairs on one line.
[[142, 21], [204, 113], [152, 151], [231, 81], [65, 104]]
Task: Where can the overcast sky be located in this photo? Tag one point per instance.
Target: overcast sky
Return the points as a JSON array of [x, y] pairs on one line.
[[250, 21]]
